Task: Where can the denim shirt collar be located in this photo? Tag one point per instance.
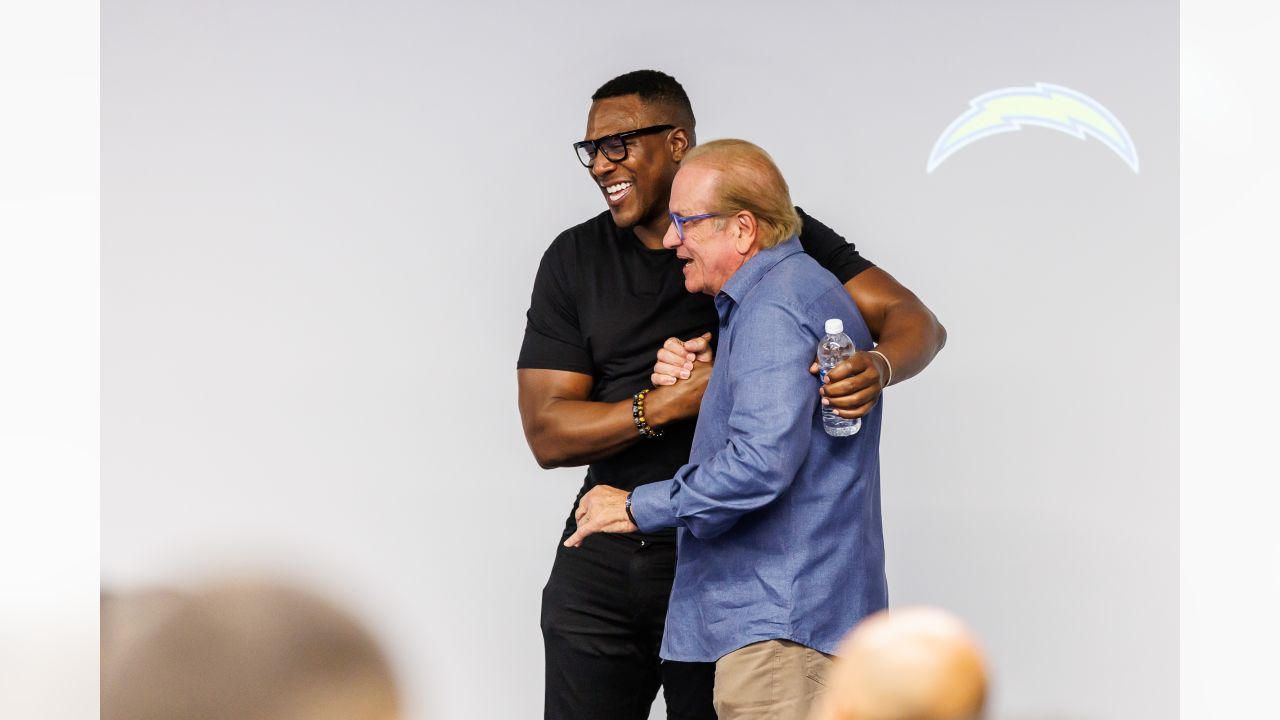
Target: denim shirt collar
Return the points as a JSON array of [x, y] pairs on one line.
[[747, 276]]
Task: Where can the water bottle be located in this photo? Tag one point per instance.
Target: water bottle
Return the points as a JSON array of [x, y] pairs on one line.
[[835, 347]]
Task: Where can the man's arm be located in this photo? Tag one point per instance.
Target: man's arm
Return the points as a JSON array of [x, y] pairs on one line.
[[564, 427], [909, 334], [561, 424], [906, 331], [902, 326]]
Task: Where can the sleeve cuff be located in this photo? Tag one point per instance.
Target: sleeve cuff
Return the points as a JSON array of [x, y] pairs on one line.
[[651, 506]]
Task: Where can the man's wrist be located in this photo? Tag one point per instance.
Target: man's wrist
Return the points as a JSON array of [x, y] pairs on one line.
[[627, 506], [883, 367], [656, 408], [640, 417], [651, 506]]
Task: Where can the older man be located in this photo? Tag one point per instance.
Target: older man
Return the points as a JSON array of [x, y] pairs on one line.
[[780, 549]]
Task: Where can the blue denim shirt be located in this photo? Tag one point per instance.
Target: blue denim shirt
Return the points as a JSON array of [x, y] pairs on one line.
[[779, 523]]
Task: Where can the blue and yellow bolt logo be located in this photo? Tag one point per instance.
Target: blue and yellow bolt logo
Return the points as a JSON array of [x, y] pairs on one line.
[[1043, 105]]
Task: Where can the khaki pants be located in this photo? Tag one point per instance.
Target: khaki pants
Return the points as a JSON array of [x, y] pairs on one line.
[[774, 679]]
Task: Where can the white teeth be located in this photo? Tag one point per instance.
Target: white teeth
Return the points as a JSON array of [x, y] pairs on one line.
[[617, 187]]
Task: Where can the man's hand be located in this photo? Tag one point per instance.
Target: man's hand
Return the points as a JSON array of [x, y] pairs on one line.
[[679, 378], [853, 386], [602, 509], [676, 359]]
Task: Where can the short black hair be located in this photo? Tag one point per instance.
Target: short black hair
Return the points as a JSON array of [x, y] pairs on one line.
[[653, 87]]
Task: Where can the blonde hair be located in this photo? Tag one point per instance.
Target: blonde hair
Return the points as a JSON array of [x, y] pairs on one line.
[[749, 180]]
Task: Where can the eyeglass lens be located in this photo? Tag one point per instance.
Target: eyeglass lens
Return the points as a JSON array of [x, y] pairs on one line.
[[613, 147]]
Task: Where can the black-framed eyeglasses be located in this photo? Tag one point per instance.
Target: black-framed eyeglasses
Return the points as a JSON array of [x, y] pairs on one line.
[[613, 146], [682, 220]]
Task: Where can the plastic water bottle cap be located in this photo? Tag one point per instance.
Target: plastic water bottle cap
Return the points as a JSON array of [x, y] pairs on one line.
[[835, 325]]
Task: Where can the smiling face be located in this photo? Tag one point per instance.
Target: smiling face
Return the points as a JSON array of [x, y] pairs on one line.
[[712, 249], [636, 189]]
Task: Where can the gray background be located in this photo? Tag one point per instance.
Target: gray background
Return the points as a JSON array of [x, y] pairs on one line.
[[321, 222]]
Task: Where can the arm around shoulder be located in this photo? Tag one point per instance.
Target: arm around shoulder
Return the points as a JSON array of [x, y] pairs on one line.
[[905, 329]]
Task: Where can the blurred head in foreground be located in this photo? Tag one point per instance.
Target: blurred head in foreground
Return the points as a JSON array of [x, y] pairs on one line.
[[908, 664], [240, 652]]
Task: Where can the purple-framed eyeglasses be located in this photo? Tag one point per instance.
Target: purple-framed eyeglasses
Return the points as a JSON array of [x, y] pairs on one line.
[[682, 220]]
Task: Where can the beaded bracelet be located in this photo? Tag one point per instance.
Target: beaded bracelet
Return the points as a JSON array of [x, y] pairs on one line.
[[637, 415]]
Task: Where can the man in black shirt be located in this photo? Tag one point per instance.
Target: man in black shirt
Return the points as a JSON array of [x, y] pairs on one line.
[[605, 298]]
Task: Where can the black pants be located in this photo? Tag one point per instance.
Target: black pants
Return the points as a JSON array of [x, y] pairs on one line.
[[603, 612]]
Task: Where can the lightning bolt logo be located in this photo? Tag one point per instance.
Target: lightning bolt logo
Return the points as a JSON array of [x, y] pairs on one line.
[[1044, 105]]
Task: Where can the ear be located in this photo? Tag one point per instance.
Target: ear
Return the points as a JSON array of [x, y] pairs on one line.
[[679, 143], [745, 231]]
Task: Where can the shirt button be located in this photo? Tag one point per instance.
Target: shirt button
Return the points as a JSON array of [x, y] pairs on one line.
[[642, 543]]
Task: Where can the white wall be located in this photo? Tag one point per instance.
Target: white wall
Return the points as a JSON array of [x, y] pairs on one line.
[[321, 222]]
